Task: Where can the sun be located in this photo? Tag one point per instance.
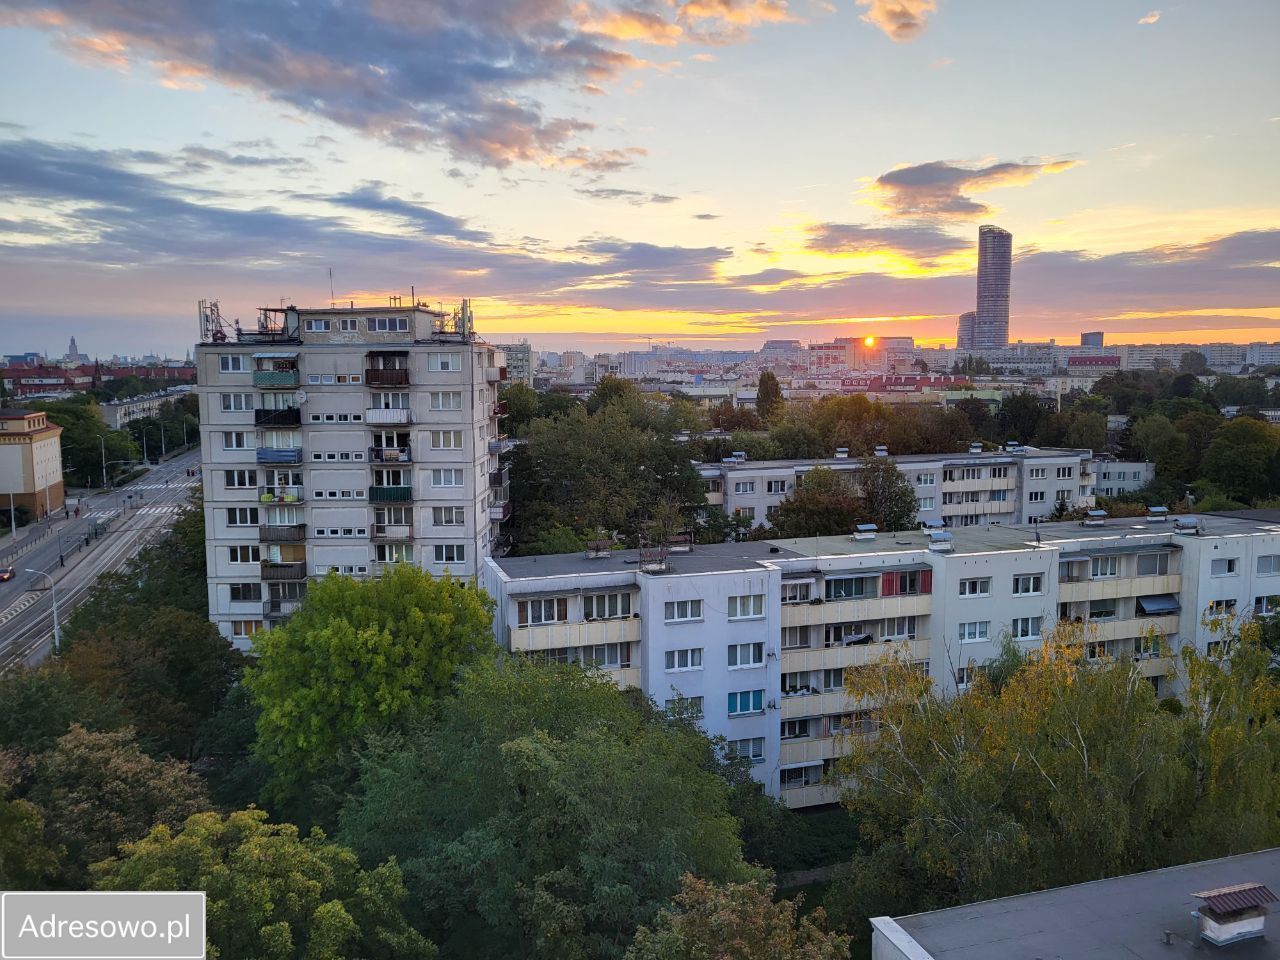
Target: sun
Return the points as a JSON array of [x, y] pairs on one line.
[[869, 342]]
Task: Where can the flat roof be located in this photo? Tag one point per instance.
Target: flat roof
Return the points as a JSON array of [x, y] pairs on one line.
[[709, 558], [985, 455], [1120, 919]]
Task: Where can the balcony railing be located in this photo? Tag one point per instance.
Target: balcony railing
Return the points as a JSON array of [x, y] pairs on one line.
[[390, 494], [384, 415], [284, 570], [500, 408], [279, 454], [281, 494], [500, 445], [500, 511], [393, 532], [495, 374], [391, 454], [501, 494], [278, 379], [380, 377], [280, 606], [293, 533], [499, 477], [289, 417]]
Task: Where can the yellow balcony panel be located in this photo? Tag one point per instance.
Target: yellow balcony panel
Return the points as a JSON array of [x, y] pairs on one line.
[[814, 705], [1113, 588], [844, 611], [814, 796], [811, 750], [1133, 627], [851, 656], [580, 633]]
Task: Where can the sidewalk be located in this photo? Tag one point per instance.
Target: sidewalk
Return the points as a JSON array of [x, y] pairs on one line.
[[33, 533]]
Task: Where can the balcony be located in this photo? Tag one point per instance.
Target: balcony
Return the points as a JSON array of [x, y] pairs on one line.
[[849, 611], [286, 455], [276, 379], [818, 794], [390, 494], [1131, 627], [1113, 588], [814, 705], [810, 750], [391, 454], [280, 607], [500, 445], [579, 633], [393, 532], [499, 477], [293, 533], [379, 377], [500, 408], [855, 655], [500, 511], [495, 374], [284, 571], [289, 417], [379, 416], [281, 494]]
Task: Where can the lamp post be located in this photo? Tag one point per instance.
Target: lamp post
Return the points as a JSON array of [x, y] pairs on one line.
[[53, 590], [103, 443]]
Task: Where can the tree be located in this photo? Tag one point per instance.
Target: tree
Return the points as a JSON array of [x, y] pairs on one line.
[[888, 496], [169, 668], [27, 862], [721, 527], [921, 365], [1088, 431], [1160, 442], [978, 413], [798, 440], [1242, 459], [823, 504], [1193, 362], [98, 790], [84, 436], [270, 893], [359, 656], [609, 390], [556, 538], [522, 406], [736, 921], [726, 416], [37, 706], [768, 395], [1019, 417], [542, 813]]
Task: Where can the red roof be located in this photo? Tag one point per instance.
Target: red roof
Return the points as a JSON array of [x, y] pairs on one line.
[[1240, 896]]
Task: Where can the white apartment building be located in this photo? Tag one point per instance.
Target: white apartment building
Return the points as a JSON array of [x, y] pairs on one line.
[[756, 638], [1015, 485], [1116, 477], [344, 440]]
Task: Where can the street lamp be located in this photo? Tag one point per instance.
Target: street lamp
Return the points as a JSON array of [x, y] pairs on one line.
[[103, 443], [53, 590]]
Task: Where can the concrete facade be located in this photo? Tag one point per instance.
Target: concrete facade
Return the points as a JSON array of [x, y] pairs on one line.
[[30, 462]]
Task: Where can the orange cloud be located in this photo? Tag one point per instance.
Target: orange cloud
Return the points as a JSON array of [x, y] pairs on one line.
[[107, 50], [941, 189], [1150, 18], [638, 25], [179, 76], [901, 20]]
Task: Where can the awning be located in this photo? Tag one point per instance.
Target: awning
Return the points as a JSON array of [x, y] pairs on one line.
[[276, 355], [1158, 604]]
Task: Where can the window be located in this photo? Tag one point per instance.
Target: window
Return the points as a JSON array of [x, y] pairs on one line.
[[316, 326], [742, 655], [775, 486], [543, 610], [1146, 647], [948, 475], [610, 655], [1102, 567], [448, 516], [796, 592], [242, 629], [446, 400], [1153, 564], [999, 496], [844, 634], [1066, 473], [444, 362], [898, 628], [975, 631], [795, 638], [971, 473], [925, 503], [1224, 568], [237, 402], [1222, 608], [245, 553], [232, 363], [1035, 496], [1063, 496], [242, 516], [1095, 650], [851, 588], [349, 324], [1102, 609], [690, 707], [833, 679], [751, 749], [606, 606], [446, 478], [1266, 606], [393, 552], [246, 593], [1269, 565], [744, 486], [1037, 473], [388, 324], [745, 702], [976, 587], [925, 479], [999, 473], [238, 479], [235, 440], [748, 512], [688, 659], [446, 439], [390, 400], [450, 553], [676, 611], [795, 729], [747, 607], [795, 777], [1025, 628], [965, 676], [1028, 584]]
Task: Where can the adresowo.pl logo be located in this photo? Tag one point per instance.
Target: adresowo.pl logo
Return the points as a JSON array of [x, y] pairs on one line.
[[106, 925]]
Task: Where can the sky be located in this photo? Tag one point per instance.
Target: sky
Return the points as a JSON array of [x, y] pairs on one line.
[[605, 176]]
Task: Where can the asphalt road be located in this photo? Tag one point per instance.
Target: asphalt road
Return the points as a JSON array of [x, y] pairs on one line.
[[142, 511]]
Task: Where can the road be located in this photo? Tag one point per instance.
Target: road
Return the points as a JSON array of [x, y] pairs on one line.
[[142, 511]]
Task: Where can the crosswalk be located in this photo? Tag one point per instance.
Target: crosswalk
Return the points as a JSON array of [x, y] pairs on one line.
[[168, 508], [185, 482]]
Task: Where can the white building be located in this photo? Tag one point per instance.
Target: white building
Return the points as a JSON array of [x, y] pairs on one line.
[[344, 440], [1116, 477], [755, 638]]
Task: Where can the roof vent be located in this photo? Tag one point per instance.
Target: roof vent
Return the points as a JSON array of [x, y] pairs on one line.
[[1234, 913], [940, 541], [1188, 525], [1013, 446], [596, 549], [931, 524], [729, 460], [881, 450], [1157, 514], [1095, 518], [653, 559], [740, 456], [975, 446], [865, 531], [842, 453]]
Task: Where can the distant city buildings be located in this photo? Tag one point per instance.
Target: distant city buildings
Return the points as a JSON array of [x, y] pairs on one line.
[[995, 262], [1094, 339], [519, 361], [964, 331]]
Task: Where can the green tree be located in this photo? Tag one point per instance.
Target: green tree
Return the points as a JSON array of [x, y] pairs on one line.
[[542, 814], [84, 436], [270, 893], [1193, 362], [721, 527], [823, 504], [612, 390], [798, 440], [37, 706], [768, 395], [359, 656], [27, 862], [1159, 441], [736, 921], [978, 413], [1242, 459], [522, 406], [889, 498], [1020, 417], [727, 416], [556, 538], [1088, 431], [98, 790], [235, 776]]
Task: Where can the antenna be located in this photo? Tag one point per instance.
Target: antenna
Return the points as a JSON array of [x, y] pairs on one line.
[[331, 287]]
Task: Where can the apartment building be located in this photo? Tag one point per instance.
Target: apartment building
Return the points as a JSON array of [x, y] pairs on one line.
[[1017, 484], [30, 462], [1116, 477], [756, 638], [344, 440]]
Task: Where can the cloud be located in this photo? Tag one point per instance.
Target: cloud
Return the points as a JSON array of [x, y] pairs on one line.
[[372, 197], [630, 24], [728, 21], [939, 189], [1150, 18], [199, 159], [942, 63], [634, 197], [923, 243], [901, 20], [706, 216]]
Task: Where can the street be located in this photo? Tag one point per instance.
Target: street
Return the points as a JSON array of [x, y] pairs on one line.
[[142, 511]]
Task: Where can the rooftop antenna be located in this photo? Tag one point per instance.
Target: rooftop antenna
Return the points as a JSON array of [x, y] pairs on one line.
[[282, 300], [331, 287]]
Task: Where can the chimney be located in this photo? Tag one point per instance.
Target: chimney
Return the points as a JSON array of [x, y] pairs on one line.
[[842, 453], [975, 446], [1234, 913], [881, 450]]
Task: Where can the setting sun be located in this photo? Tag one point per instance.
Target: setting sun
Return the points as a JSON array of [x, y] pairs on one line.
[[869, 342]]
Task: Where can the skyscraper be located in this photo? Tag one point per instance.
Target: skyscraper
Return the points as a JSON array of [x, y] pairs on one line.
[[964, 331], [995, 256]]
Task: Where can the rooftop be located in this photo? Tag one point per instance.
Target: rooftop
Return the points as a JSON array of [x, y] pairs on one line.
[[986, 456], [712, 558], [1120, 919], [14, 413]]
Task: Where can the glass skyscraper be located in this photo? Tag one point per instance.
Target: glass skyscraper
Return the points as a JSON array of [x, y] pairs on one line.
[[995, 257]]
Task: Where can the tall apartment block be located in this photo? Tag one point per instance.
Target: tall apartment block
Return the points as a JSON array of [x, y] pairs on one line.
[[995, 263], [965, 330], [344, 440], [757, 638], [520, 363]]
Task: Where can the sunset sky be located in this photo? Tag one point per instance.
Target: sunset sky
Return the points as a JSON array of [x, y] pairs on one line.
[[592, 175]]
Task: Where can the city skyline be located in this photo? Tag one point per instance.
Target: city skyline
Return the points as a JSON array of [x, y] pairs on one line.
[[594, 176]]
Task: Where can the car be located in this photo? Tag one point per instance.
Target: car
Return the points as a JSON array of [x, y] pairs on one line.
[[6, 573]]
